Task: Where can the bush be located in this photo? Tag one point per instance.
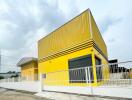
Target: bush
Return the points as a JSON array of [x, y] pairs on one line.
[[14, 76], [1, 77]]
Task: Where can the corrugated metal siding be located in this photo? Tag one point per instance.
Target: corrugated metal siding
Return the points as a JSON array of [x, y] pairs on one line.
[[96, 35], [70, 34], [79, 30], [81, 46]]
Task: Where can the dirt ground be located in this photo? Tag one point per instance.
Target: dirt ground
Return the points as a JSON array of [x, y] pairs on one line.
[[17, 95]]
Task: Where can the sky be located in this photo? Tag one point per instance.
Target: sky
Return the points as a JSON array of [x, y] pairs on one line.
[[23, 23]]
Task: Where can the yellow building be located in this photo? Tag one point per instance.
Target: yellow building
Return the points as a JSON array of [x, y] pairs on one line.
[[74, 46], [29, 68]]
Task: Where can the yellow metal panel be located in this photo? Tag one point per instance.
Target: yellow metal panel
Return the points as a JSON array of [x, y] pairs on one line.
[[29, 71], [94, 67], [96, 35], [105, 68], [68, 35], [78, 30], [59, 64], [57, 69]]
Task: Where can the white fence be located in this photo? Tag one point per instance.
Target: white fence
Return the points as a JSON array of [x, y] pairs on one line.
[[110, 80], [27, 86], [118, 74], [21, 83], [20, 79]]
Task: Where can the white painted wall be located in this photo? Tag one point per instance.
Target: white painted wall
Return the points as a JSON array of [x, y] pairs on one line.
[[27, 86], [117, 91], [69, 89], [117, 75], [124, 92]]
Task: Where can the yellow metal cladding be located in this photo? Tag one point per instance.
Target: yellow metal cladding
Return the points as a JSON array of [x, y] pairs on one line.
[[57, 70], [30, 71], [76, 38], [105, 69], [78, 30], [60, 63], [68, 35], [96, 35]]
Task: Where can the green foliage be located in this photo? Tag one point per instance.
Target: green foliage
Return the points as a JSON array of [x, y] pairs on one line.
[[1, 77], [15, 76]]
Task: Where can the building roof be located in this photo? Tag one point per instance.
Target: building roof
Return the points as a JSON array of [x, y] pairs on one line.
[[72, 36], [26, 60]]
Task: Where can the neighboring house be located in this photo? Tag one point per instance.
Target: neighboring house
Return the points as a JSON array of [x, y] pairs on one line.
[[117, 71], [29, 68], [76, 44], [113, 64]]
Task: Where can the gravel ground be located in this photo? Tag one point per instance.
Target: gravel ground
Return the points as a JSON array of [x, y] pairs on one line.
[[17, 95]]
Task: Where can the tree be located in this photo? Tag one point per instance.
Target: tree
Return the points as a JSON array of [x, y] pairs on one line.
[[1, 77]]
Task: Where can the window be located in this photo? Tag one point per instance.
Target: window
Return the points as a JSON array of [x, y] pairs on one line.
[[77, 72], [98, 69]]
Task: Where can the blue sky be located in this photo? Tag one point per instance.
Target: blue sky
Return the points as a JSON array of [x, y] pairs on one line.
[[23, 23]]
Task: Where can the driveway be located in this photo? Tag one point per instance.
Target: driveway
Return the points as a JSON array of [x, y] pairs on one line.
[[17, 95]]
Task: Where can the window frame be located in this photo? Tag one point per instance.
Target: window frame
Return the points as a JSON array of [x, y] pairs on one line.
[[98, 67], [82, 70]]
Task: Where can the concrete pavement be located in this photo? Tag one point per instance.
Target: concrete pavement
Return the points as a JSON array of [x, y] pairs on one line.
[[16, 95]]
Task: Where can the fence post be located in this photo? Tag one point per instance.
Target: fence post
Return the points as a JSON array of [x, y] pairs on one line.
[[19, 79], [8, 80], [13, 80], [89, 77], [86, 75], [41, 82]]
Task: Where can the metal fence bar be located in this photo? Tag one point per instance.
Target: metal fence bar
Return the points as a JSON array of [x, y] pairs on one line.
[[86, 73], [109, 74], [116, 74]]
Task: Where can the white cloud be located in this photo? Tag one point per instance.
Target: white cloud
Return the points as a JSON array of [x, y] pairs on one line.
[[114, 19], [22, 25], [24, 22]]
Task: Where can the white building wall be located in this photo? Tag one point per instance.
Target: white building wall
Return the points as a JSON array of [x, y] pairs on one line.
[[27, 86], [111, 91]]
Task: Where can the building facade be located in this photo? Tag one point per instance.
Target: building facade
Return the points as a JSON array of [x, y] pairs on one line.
[[29, 68], [75, 45]]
